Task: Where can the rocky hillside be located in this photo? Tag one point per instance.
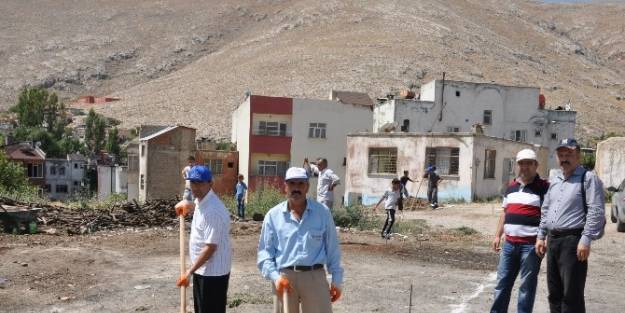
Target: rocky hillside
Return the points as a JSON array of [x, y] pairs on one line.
[[191, 62]]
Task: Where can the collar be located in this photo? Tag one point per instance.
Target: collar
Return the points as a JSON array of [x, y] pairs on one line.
[[206, 199], [285, 207], [519, 182], [577, 172]]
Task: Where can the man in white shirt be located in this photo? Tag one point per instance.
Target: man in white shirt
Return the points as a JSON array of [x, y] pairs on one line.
[[209, 245], [186, 195], [325, 183]]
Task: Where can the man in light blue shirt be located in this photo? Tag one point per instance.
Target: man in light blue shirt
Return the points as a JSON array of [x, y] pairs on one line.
[[241, 189], [297, 239]]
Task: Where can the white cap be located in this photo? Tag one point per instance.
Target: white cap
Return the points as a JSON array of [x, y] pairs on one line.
[[295, 173], [526, 154]]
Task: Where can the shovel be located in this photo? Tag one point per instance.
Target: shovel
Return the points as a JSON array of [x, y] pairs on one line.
[[186, 206]]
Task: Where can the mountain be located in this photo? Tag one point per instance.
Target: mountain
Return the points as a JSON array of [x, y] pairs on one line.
[[191, 62]]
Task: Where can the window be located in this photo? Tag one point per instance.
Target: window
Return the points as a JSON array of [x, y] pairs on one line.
[[446, 159], [272, 168], [61, 188], [75, 165], [554, 136], [317, 130], [405, 127], [538, 133], [383, 161], [47, 188], [488, 117], [457, 93], [34, 170], [61, 170], [230, 164], [453, 129], [489, 163], [133, 163], [216, 166], [518, 135], [271, 128], [53, 170]]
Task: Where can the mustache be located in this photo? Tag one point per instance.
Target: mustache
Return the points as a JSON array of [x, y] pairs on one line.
[[565, 163], [296, 192]]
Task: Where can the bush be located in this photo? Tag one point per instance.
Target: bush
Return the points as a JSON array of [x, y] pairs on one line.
[[259, 201]]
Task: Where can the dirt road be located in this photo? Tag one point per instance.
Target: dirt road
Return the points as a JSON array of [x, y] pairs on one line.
[[134, 271]]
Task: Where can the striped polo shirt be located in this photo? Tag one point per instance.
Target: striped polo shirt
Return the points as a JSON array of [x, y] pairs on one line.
[[211, 225], [522, 206]]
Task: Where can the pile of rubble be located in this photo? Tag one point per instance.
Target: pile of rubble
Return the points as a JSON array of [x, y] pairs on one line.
[[59, 219]]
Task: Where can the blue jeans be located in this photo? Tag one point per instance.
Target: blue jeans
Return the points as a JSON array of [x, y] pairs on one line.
[[516, 258], [241, 205]]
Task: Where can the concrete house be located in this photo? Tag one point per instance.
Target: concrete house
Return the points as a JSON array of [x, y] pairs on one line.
[[162, 156], [472, 165], [224, 166], [610, 161], [274, 133], [510, 112], [112, 179], [64, 176], [32, 159]]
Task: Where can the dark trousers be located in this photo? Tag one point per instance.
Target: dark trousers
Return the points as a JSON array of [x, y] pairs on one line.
[[433, 194], [241, 205], [566, 276], [210, 293], [388, 224]]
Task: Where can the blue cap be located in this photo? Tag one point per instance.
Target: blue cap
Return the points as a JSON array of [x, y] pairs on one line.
[[431, 168], [570, 143], [199, 173]]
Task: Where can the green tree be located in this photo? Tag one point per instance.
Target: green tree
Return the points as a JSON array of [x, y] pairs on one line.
[[30, 107], [95, 132], [112, 142], [12, 175]]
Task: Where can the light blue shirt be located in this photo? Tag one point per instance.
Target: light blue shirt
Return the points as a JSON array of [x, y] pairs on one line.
[[285, 241], [241, 188], [563, 208]]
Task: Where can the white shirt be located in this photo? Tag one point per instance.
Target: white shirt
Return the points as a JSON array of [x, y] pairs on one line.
[[187, 184], [326, 179], [390, 199], [211, 225]]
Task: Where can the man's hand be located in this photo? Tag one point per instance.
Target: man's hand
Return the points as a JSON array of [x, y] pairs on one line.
[[184, 207], [335, 293], [283, 284], [583, 252], [496, 244], [541, 247], [183, 280]]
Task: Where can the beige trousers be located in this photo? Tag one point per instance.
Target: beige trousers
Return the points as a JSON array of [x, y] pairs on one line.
[[310, 293]]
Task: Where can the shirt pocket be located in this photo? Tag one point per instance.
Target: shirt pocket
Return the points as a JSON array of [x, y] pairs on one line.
[[314, 239]]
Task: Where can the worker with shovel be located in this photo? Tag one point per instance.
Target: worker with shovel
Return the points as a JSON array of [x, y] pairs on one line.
[[209, 245], [297, 239]]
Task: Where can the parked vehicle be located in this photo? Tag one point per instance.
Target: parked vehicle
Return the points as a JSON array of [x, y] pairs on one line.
[[618, 206]]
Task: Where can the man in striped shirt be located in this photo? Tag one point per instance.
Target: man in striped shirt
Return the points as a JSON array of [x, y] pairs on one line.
[[519, 221], [209, 245]]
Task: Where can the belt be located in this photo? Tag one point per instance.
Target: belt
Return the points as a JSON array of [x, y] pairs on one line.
[[565, 232], [303, 268]]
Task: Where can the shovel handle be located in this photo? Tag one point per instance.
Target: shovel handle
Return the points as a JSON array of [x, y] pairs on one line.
[[285, 302], [183, 289]]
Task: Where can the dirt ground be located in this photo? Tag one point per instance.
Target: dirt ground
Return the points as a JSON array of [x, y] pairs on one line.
[[135, 270]]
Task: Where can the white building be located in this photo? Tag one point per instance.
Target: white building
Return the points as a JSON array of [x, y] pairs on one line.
[[65, 177], [112, 179], [274, 133], [610, 161], [510, 112], [473, 166]]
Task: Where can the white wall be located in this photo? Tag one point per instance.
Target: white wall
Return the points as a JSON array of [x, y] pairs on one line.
[[340, 119], [610, 161], [241, 135], [410, 156], [513, 108]]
